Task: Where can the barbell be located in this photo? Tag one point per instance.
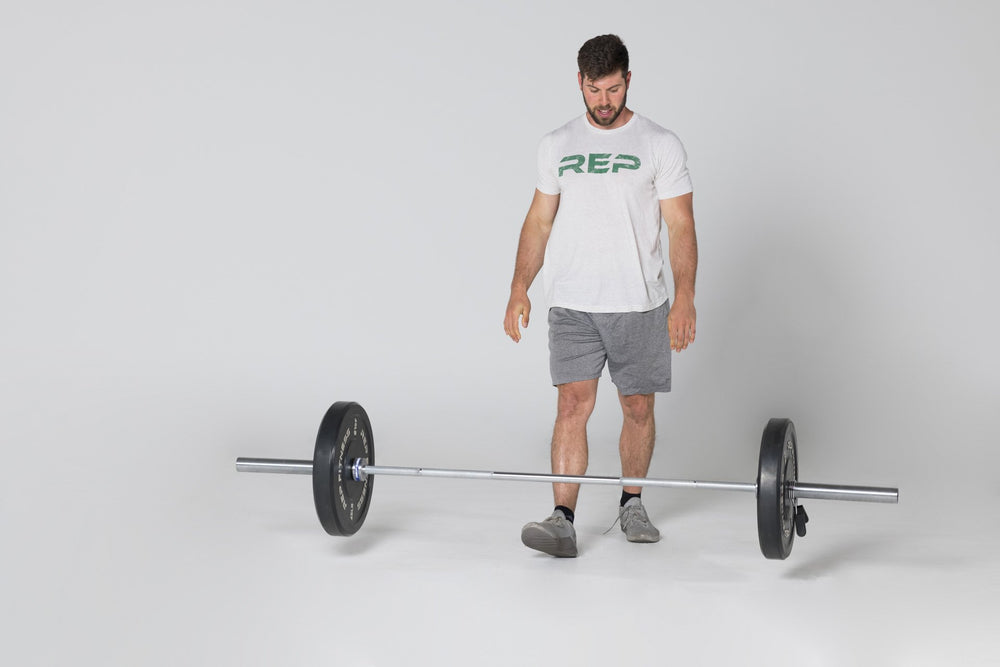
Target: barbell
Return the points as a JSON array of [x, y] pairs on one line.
[[343, 466]]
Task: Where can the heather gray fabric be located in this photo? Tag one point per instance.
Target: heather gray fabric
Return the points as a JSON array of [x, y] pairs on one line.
[[636, 347]]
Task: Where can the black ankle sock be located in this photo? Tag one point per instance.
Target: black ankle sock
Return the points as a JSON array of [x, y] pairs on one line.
[[626, 496], [567, 511]]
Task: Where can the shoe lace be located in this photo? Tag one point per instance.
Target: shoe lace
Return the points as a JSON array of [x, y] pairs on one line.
[[634, 516], [629, 517]]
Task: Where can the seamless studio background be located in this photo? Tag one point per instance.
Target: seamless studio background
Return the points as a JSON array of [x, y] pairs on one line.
[[217, 219]]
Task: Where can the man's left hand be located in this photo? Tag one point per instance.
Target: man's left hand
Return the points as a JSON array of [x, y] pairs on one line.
[[681, 324]]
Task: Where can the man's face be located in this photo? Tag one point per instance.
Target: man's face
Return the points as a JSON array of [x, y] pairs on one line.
[[605, 99]]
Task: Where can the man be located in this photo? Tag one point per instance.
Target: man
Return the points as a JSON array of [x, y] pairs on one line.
[[605, 180]]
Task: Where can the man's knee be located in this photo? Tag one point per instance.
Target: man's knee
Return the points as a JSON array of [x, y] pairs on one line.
[[638, 408], [576, 400]]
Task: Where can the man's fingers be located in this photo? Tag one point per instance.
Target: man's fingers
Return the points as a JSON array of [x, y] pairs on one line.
[[511, 324], [517, 313], [512, 329], [681, 326], [681, 336]]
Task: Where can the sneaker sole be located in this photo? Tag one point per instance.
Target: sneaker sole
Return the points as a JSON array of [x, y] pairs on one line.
[[540, 540], [643, 539]]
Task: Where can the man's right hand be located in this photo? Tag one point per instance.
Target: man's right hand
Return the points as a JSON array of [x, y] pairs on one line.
[[518, 310]]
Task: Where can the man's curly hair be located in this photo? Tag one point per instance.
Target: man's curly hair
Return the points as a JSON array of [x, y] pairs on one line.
[[602, 56]]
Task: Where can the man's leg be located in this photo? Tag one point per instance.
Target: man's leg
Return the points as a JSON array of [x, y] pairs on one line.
[[556, 535], [638, 436], [576, 361], [636, 450], [569, 437]]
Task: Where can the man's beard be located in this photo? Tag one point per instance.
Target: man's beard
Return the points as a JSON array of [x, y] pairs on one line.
[[616, 111]]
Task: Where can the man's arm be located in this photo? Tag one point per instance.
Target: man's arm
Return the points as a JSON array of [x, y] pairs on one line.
[[678, 213], [530, 255]]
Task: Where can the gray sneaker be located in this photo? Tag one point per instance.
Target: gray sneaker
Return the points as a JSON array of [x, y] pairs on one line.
[[554, 536], [635, 524]]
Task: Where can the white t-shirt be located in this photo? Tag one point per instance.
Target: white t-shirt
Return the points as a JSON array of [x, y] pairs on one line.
[[604, 253]]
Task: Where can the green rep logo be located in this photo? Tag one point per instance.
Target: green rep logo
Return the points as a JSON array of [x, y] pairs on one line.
[[598, 163]]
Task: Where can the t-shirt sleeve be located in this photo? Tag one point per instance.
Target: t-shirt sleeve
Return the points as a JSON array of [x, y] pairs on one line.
[[548, 182], [672, 178]]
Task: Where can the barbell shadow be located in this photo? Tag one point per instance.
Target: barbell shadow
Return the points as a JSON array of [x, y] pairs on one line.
[[361, 544], [896, 549], [846, 553]]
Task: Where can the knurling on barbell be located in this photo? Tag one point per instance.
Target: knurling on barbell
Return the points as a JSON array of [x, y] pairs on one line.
[[343, 468]]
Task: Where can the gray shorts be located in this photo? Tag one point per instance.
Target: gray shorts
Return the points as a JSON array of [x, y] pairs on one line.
[[636, 347]]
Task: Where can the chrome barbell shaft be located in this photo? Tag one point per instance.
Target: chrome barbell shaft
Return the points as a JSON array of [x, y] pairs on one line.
[[868, 494], [281, 466], [554, 478]]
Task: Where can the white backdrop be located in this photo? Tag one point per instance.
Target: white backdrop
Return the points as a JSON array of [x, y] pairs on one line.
[[216, 219]]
